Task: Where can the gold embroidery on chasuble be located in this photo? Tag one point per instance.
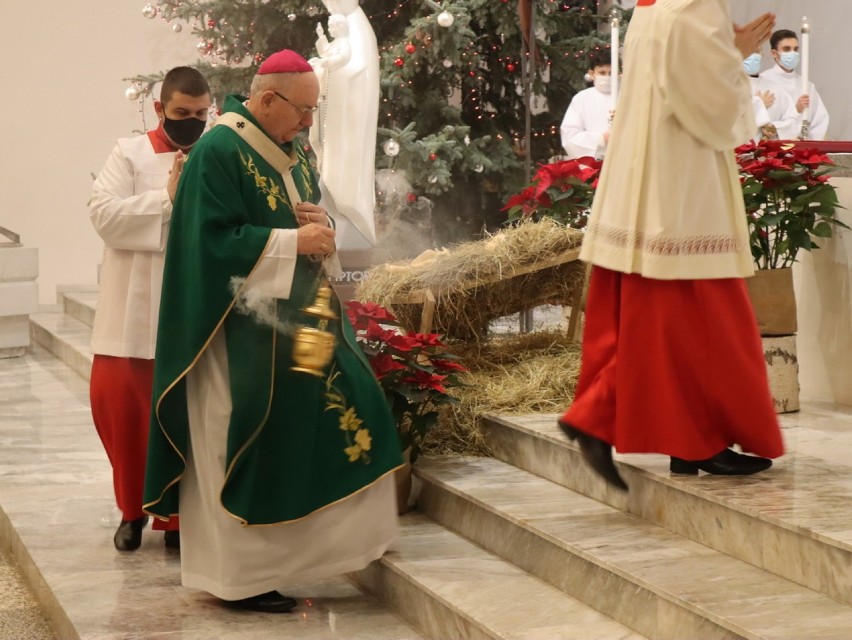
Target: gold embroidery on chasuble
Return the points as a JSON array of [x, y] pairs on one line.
[[358, 438], [263, 183]]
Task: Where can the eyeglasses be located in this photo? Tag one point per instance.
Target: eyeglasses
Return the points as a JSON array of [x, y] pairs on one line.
[[303, 111]]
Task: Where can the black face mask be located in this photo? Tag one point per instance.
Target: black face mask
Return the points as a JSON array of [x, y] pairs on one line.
[[184, 132]]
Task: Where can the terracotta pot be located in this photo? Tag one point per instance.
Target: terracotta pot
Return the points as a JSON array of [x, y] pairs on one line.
[[774, 301]]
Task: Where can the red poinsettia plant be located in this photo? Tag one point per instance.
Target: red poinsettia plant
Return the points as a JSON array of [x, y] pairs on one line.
[[414, 369], [789, 200], [560, 190]]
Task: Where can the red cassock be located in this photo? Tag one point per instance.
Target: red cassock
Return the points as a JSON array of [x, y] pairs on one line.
[[120, 394], [673, 367]]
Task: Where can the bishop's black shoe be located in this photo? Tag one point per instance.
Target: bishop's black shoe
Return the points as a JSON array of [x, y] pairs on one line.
[[598, 455], [269, 602], [172, 539], [725, 463], [128, 536]]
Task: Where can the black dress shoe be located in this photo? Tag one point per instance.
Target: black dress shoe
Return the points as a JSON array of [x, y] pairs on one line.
[[172, 539], [270, 602], [598, 455], [725, 463], [128, 536]]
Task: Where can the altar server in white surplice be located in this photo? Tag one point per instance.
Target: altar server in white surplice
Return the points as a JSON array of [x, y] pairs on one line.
[[131, 209], [774, 112], [783, 77], [585, 127], [672, 361]]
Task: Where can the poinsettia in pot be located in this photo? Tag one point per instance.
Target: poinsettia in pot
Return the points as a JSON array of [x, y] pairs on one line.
[[790, 205], [415, 370], [561, 190]]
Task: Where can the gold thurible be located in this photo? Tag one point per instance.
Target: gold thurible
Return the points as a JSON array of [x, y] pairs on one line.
[[313, 347]]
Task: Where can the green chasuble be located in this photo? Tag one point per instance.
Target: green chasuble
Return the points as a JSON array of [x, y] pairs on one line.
[[296, 442]]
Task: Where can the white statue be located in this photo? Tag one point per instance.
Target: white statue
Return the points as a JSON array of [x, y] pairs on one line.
[[344, 131]]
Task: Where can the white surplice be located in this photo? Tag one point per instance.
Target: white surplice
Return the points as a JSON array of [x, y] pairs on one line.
[[231, 561], [790, 83], [130, 209], [585, 123], [675, 209], [782, 114]]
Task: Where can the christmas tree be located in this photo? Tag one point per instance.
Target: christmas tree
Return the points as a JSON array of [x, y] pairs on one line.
[[453, 112]]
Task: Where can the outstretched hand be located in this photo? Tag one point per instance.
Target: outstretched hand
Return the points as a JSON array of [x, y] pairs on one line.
[[750, 37]]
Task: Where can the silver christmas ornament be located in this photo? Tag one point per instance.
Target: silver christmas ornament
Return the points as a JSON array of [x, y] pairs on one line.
[[446, 19], [433, 179], [149, 11], [291, 17], [131, 93], [448, 63], [177, 28], [479, 168], [391, 148]]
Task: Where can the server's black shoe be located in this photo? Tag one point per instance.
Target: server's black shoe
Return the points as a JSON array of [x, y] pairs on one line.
[[128, 536], [725, 463], [598, 455]]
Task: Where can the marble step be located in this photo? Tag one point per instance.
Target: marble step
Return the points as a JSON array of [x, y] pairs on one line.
[[793, 520], [450, 588], [65, 337], [57, 521], [654, 581], [80, 305]]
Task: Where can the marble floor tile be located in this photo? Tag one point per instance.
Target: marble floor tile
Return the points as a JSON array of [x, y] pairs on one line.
[[58, 514]]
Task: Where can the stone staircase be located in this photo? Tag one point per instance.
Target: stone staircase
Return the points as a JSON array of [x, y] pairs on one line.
[[529, 544]]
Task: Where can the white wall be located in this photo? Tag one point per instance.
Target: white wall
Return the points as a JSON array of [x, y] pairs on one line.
[[61, 68], [823, 283], [831, 57], [62, 64]]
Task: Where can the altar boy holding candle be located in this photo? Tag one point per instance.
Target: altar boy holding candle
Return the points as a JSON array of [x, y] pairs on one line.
[[783, 77], [585, 127]]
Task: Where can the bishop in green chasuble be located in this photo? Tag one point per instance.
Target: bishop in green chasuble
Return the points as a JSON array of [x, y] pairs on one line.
[[277, 475]]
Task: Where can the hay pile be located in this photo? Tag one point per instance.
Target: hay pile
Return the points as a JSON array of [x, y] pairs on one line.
[[476, 282], [530, 373]]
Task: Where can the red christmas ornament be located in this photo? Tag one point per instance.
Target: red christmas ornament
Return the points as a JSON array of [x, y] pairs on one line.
[[510, 67], [433, 156], [411, 197], [399, 62], [410, 48]]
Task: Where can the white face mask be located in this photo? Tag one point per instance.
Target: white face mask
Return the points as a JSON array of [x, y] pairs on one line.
[[752, 64], [603, 84], [790, 60]]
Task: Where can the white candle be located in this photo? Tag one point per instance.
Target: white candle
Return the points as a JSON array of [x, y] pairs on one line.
[[806, 55], [615, 23]]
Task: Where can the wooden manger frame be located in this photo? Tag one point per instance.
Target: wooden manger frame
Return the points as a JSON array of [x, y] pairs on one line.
[[431, 299]]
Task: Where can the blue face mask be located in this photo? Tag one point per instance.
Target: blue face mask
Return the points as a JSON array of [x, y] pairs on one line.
[[752, 64], [790, 60]]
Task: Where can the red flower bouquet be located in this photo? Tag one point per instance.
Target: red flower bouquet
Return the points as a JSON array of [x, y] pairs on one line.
[[789, 201], [560, 190], [414, 370]]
